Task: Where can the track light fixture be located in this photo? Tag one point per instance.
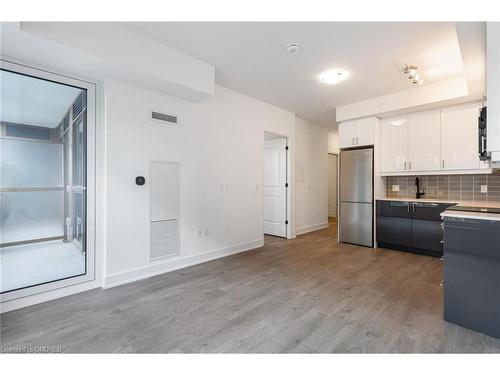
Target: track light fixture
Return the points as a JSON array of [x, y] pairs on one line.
[[412, 72]]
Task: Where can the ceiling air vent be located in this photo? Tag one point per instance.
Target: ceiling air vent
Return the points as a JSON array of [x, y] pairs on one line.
[[163, 117]]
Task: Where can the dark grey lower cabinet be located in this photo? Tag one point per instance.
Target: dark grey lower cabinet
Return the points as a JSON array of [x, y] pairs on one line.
[[472, 274], [393, 223], [410, 226]]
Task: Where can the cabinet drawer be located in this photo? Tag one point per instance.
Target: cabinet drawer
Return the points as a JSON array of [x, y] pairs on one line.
[[428, 211], [393, 209]]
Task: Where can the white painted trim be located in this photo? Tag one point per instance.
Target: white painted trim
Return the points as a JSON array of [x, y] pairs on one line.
[[157, 268], [290, 179], [311, 228], [177, 217], [92, 259], [48, 296]]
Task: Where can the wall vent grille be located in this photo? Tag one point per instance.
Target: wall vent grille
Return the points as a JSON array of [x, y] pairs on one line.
[[163, 117], [79, 104]]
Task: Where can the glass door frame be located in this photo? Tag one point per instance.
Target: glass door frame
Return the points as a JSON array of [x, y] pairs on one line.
[[90, 179]]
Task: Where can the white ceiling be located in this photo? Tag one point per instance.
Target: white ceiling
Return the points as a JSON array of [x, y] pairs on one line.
[[32, 101], [251, 58]]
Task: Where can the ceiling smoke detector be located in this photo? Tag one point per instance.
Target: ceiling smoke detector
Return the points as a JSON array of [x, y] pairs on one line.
[[412, 72], [292, 48]]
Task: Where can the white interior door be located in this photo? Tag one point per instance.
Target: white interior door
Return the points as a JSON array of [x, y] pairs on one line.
[[332, 185], [275, 187]]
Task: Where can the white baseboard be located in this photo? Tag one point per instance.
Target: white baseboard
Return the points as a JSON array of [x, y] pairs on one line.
[[311, 228], [157, 268], [48, 296]]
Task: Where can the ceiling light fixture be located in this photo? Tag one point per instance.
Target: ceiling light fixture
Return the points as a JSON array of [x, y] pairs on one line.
[[413, 75], [334, 76], [292, 48]]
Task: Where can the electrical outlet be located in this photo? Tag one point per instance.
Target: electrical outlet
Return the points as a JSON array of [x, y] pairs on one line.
[[395, 187], [484, 188]]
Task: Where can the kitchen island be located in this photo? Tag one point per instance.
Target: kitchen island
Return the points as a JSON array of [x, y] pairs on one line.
[[472, 267]]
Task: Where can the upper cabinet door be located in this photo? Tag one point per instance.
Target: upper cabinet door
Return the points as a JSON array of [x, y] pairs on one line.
[[424, 141], [347, 134], [459, 137], [394, 144], [365, 131]]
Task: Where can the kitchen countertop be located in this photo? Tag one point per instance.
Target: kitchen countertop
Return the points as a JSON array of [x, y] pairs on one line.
[[470, 215], [464, 203], [421, 200], [458, 214]]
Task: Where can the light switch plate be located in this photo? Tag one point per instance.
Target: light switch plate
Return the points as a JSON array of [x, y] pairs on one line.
[[484, 188], [395, 187]]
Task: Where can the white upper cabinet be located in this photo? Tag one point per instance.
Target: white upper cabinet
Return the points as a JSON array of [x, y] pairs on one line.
[[357, 132], [424, 141], [347, 134], [365, 131], [436, 141], [394, 144], [459, 137]]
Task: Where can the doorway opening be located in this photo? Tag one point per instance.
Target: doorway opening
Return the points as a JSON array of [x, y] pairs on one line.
[[44, 221], [332, 188], [276, 185]]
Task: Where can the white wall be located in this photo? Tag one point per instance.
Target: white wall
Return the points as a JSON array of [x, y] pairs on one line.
[[425, 96], [219, 144], [333, 143], [493, 88], [108, 50], [311, 176]]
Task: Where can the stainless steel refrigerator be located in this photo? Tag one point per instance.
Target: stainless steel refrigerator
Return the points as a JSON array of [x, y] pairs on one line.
[[356, 197]]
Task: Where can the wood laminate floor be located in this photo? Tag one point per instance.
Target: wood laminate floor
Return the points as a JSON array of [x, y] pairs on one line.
[[306, 295]]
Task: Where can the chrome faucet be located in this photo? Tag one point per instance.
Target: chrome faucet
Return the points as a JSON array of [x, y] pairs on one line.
[[419, 193]]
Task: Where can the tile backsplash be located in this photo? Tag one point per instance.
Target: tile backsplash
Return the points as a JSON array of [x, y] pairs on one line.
[[447, 187]]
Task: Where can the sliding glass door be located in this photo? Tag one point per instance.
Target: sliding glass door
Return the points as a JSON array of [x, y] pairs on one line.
[[46, 181]]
